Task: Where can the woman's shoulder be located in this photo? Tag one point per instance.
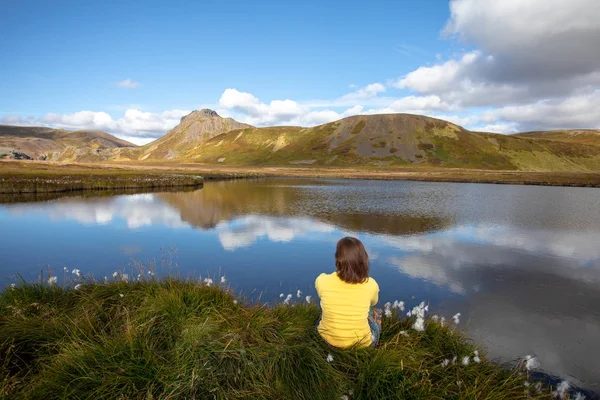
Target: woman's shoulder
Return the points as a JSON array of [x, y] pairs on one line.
[[373, 283], [323, 277]]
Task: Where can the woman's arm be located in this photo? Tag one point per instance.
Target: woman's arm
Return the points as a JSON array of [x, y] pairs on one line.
[[375, 297]]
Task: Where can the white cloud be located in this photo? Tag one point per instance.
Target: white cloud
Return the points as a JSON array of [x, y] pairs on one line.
[[543, 73], [134, 123], [242, 232], [136, 210], [366, 92], [128, 84], [536, 39], [140, 141], [507, 128], [579, 111], [249, 109]]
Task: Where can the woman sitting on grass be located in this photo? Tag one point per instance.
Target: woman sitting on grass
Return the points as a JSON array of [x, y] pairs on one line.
[[347, 299]]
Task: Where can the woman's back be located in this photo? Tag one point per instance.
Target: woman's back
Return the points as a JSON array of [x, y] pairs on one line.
[[345, 307]]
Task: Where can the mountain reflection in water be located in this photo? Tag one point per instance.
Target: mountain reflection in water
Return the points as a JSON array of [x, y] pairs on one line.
[[522, 264]]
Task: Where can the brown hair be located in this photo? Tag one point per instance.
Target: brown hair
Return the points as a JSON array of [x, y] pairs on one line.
[[351, 260]]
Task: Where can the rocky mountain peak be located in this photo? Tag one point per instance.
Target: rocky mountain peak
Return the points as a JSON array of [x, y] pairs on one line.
[[205, 112]]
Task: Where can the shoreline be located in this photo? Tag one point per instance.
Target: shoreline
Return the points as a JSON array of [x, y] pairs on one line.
[[193, 338], [44, 177]]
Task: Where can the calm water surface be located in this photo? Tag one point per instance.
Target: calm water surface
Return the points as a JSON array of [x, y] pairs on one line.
[[521, 263]]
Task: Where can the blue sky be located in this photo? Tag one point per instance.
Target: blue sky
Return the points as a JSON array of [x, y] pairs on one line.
[[134, 68]]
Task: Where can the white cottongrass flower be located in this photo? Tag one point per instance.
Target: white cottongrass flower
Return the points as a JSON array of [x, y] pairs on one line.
[[408, 314], [387, 312], [208, 281], [288, 299], [139, 277], [105, 279], [404, 333], [561, 390], [281, 295], [329, 358], [456, 318], [121, 295], [344, 397], [435, 318], [476, 358], [458, 383], [454, 360], [65, 269], [308, 299], [579, 396], [124, 277], [531, 363], [401, 306], [445, 362], [13, 285], [299, 293], [115, 274], [223, 279], [76, 272], [442, 320], [419, 312], [419, 325], [235, 302], [52, 280], [387, 305], [465, 360], [150, 273], [78, 286]]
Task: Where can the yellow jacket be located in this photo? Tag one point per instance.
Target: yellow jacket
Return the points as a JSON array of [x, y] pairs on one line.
[[345, 308]]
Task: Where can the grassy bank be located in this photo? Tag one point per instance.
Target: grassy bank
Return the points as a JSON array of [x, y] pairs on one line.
[[175, 339], [16, 178], [22, 177], [28, 170]]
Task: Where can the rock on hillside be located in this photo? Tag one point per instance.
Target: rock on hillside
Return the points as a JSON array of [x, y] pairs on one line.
[[194, 129], [59, 144]]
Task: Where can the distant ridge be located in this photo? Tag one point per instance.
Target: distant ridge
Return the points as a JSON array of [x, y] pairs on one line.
[[384, 140], [57, 144], [397, 140]]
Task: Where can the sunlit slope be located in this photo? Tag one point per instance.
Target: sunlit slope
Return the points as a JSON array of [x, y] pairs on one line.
[[194, 129], [59, 144], [582, 136], [393, 139]]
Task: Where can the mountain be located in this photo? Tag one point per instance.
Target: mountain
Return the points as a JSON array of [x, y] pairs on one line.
[[583, 136], [393, 139], [358, 141], [194, 129], [57, 144]]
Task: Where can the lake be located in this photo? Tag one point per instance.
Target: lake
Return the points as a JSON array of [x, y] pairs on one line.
[[521, 263]]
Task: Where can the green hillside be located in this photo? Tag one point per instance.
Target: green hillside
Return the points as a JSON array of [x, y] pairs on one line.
[[393, 140], [385, 140]]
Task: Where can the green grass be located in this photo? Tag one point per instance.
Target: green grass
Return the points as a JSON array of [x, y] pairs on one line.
[[358, 127], [179, 339], [15, 184]]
